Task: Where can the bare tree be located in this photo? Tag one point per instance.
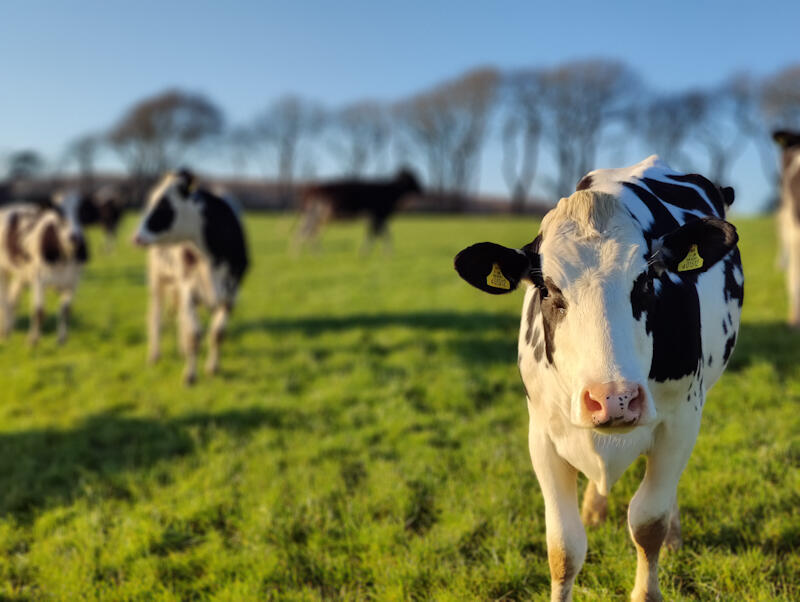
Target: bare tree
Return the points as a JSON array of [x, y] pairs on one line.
[[582, 98], [360, 135], [24, 165], [282, 129], [667, 121], [83, 151], [157, 133], [780, 99], [521, 131], [448, 126]]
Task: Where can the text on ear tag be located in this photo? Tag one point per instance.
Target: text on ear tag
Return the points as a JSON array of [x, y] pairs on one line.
[[692, 261], [496, 278]]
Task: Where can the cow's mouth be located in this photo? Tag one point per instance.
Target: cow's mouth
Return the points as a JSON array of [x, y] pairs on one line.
[[611, 427]]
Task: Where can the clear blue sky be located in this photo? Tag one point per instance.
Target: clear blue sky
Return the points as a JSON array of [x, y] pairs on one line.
[[70, 67]]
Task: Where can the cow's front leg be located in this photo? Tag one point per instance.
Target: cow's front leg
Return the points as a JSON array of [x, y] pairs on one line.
[[215, 335], [566, 538], [65, 302], [154, 322], [651, 509], [37, 310], [188, 333]]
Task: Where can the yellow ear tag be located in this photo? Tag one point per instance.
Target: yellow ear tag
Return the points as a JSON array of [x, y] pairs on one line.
[[496, 278], [692, 261]]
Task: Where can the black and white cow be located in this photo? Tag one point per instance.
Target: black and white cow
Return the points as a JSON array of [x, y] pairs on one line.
[[789, 217], [198, 253], [42, 247], [634, 290]]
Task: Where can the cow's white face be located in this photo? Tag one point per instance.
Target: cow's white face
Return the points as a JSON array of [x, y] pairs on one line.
[[594, 283], [172, 214], [590, 340]]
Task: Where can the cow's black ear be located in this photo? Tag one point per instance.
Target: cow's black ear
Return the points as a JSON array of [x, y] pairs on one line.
[[186, 181], [786, 138], [493, 268], [728, 195], [696, 246]]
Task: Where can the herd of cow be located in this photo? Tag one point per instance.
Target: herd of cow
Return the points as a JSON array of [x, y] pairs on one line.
[[633, 296]]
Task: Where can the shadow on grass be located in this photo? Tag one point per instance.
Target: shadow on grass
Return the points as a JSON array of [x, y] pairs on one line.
[[478, 337], [772, 342], [467, 322], [48, 467]]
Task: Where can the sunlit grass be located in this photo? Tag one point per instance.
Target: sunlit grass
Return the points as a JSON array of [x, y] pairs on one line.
[[365, 440]]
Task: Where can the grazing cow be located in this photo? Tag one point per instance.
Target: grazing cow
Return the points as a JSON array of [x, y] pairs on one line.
[[41, 247], [789, 217], [634, 290], [344, 199], [198, 253]]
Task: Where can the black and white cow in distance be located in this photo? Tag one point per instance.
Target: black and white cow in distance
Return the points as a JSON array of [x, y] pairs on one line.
[[42, 247], [198, 253], [789, 217], [634, 290]]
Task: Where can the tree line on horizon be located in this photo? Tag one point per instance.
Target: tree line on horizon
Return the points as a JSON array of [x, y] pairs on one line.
[[569, 111]]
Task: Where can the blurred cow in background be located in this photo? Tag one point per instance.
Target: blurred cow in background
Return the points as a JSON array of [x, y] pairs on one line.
[[198, 253], [104, 208], [789, 217], [40, 246], [344, 199]]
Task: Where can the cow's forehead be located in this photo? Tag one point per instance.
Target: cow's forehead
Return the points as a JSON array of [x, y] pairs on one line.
[[590, 233]]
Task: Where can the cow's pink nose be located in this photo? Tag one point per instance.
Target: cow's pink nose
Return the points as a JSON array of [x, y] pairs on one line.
[[613, 404]]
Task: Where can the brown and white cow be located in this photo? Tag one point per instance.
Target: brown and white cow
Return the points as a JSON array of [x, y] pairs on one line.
[[197, 254], [41, 247], [345, 199], [634, 290], [789, 217]]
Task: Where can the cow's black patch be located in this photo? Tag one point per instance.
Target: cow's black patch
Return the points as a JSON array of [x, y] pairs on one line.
[[729, 347], [585, 183], [713, 193], [672, 318], [538, 351], [554, 308], [161, 218], [533, 310], [663, 221], [733, 290], [223, 235], [685, 197], [14, 247], [50, 245]]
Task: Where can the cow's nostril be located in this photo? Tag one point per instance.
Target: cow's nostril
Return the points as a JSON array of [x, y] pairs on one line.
[[591, 404]]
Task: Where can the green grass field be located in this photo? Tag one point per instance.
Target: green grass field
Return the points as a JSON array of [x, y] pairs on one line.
[[367, 439]]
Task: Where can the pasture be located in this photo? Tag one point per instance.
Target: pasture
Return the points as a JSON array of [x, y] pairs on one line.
[[366, 439]]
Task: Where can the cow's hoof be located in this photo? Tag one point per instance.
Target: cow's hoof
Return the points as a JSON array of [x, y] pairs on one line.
[[62, 338], [211, 368], [641, 596], [189, 379]]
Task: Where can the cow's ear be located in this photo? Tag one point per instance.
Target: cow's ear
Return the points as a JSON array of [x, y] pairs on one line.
[[493, 268], [696, 246], [785, 138], [186, 181]]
